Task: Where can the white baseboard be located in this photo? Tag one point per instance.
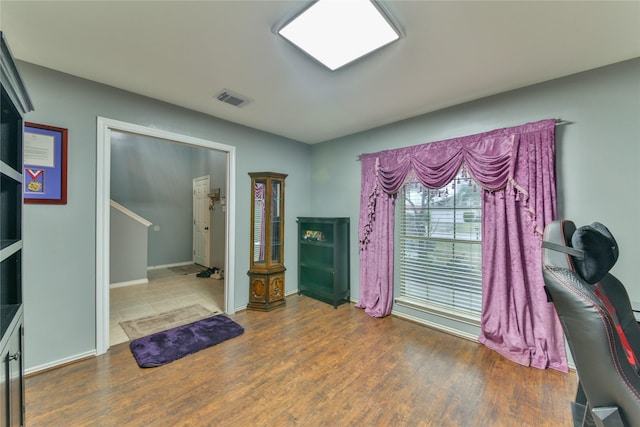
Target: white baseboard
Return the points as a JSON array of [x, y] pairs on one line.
[[433, 325], [451, 331], [60, 362], [129, 283], [177, 264], [294, 292]]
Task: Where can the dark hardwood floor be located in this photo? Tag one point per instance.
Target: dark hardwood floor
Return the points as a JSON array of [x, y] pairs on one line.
[[307, 364]]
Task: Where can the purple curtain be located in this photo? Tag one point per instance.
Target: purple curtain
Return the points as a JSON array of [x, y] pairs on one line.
[[376, 242], [516, 169]]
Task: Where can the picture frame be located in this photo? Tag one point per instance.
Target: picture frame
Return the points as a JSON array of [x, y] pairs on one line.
[[45, 164]]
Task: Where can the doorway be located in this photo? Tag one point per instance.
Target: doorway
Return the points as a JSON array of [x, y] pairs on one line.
[[104, 129]]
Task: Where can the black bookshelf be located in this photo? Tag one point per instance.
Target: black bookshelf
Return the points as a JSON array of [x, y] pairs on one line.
[[14, 104]]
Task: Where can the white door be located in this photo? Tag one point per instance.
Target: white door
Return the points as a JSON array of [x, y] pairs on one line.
[[201, 221]]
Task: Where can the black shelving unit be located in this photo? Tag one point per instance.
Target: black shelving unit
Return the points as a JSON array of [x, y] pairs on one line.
[[14, 104], [323, 259]]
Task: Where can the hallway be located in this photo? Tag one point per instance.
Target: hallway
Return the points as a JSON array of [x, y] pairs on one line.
[[166, 290]]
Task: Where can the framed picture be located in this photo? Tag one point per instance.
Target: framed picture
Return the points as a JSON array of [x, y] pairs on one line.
[[45, 164]]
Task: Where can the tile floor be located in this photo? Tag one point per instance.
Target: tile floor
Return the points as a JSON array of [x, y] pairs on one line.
[[165, 291]]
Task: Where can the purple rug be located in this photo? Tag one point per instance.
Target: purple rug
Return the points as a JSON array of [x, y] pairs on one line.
[[166, 346]]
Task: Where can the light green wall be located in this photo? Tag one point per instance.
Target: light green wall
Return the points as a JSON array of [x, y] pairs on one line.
[[598, 153], [59, 241]]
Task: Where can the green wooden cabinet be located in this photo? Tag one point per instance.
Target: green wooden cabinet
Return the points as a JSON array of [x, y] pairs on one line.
[[323, 259]]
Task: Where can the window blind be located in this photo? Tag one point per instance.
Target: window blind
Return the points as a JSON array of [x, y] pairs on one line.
[[440, 246]]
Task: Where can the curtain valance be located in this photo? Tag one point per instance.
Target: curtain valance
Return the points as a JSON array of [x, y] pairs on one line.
[[495, 160]]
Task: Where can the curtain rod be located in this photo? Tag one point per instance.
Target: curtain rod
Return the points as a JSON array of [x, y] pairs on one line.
[[558, 120]]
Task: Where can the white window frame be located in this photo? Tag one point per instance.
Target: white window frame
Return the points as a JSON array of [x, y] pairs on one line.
[[405, 298]]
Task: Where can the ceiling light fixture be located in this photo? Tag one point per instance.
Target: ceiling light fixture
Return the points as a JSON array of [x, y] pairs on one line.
[[337, 32]]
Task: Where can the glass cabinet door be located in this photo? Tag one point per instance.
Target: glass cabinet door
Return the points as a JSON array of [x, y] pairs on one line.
[[276, 199]]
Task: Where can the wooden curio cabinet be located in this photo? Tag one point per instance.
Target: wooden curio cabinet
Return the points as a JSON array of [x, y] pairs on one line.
[[266, 272]]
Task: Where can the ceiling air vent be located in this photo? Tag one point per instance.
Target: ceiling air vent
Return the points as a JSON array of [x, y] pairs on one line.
[[232, 98]]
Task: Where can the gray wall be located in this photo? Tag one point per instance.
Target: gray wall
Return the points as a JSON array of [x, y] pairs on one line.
[[59, 289], [597, 154], [153, 178], [128, 243]]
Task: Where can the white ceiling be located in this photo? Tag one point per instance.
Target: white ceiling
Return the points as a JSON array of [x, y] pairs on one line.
[[186, 52]]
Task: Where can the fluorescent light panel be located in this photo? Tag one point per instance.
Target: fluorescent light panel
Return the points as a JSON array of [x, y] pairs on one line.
[[337, 32]]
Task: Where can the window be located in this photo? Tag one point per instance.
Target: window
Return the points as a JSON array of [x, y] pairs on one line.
[[440, 247]]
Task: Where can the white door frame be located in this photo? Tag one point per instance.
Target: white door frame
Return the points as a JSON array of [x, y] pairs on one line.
[[103, 193]]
